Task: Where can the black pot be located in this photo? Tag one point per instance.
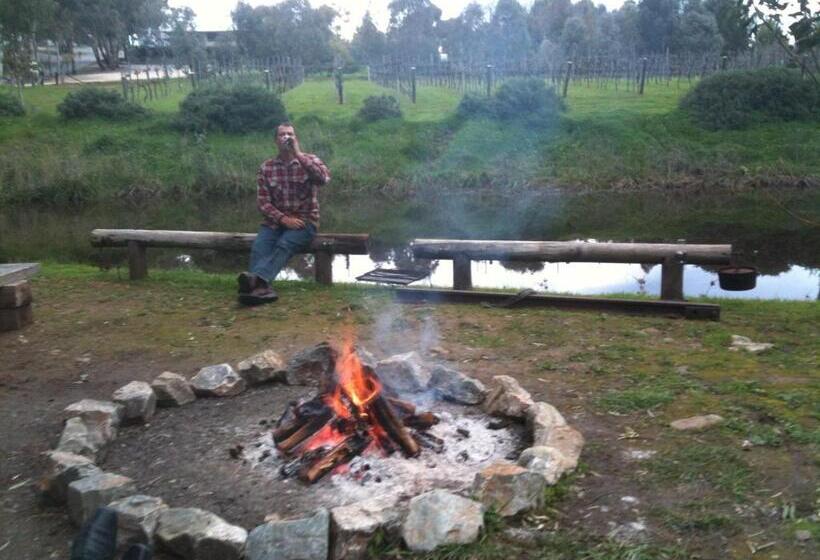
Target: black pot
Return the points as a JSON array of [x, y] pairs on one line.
[[737, 278]]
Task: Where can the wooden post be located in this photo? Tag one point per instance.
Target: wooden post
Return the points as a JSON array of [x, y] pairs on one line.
[[462, 275], [125, 88], [340, 86], [323, 268], [413, 84], [672, 278], [724, 61], [137, 262], [566, 78], [368, 74], [267, 79], [643, 75], [489, 80]]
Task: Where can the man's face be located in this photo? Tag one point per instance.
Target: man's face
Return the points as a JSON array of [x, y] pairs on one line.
[[283, 134]]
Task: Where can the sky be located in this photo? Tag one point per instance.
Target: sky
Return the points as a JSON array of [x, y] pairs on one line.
[[215, 15]]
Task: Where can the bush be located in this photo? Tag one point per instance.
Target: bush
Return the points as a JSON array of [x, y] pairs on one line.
[[519, 98], [91, 102], [10, 105], [733, 100], [377, 107], [241, 108]]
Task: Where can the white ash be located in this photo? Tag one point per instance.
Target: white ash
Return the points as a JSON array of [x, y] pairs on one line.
[[372, 475]]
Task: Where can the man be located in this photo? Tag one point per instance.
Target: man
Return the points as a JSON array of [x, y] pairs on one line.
[[287, 196]]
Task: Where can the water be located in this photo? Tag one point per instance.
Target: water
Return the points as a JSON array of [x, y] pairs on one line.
[[776, 231]]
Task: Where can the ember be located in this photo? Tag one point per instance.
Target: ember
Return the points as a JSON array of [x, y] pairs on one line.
[[352, 416]]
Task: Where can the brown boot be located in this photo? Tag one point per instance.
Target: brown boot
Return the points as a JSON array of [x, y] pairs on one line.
[[247, 282]]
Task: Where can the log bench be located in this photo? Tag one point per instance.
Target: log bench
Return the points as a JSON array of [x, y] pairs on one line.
[[15, 295], [325, 246]]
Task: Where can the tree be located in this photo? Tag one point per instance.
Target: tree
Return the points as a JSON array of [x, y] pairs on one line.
[[369, 45], [657, 24], [183, 41], [464, 38], [734, 21], [805, 29], [508, 33], [21, 23], [413, 29], [628, 26], [547, 18], [698, 32]]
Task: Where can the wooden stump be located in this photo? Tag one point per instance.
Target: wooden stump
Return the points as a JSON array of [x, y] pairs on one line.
[[15, 306]]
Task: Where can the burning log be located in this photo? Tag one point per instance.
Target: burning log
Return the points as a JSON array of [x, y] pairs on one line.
[[343, 452], [405, 408], [383, 412], [422, 421], [429, 441], [309, 428]]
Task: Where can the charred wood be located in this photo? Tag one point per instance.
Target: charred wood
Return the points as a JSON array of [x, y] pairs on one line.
[[429, 441], [422, 421], [312, 426], [346, 450], [383, 412], [404, 408]]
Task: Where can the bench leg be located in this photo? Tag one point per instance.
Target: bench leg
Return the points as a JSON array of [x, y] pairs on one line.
[[462, 274], [672, 279], [323, 268], [137, 261]]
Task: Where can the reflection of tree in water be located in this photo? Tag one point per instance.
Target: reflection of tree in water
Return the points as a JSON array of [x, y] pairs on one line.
[[523, 266], [401, 256]]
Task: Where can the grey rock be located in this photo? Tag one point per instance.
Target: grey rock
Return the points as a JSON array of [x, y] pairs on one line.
[[137, 517], [139, 401], [96, 411], [87, 437], [295, 539], [63, 469], [509, 489], [87, 494], [452, 385], [507, 398], [696, 423], [265, 367], [744, 343], [569, 442], [403, 373], [542, 418], [313, 367], [354, 525], [217, 381], [196, 534], [545, 461], [172, 389], [438, 518], [802, 535]]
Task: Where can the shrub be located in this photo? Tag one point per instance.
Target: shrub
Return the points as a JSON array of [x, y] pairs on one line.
[[474, 105], [520, 98], [241, 108], [10, 105], [377, 107], [732, 100], [91, 102]]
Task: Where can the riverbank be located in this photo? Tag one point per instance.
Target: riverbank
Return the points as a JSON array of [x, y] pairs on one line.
[[643, 491], [609, 139]]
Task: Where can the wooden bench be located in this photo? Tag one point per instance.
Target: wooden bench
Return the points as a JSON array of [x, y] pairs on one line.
[[15, 295], [324, 246]]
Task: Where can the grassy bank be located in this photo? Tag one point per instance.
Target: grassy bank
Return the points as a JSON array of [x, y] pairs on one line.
[[607, 138], [620, 379]]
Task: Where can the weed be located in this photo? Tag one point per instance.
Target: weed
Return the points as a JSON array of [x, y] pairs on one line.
[[720, 467], [640, 398]]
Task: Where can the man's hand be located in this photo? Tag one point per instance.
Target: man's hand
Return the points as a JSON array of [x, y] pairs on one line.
[[292, 223], [294, 146]]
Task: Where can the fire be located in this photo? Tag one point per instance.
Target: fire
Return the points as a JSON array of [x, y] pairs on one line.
[[359, 387]]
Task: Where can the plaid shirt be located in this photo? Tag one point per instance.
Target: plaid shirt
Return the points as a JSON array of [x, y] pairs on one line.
[[290, 188]]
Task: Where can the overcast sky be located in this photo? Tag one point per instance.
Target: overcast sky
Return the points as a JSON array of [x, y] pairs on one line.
[[215, 15]]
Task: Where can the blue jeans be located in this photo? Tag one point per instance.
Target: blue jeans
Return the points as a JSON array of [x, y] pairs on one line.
[[273, 248]]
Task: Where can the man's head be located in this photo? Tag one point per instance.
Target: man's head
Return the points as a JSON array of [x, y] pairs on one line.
[[284, 135]]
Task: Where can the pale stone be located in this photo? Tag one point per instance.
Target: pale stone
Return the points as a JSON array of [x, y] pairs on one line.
[[63, 469], [745, 343], [438, 518], [196, 534], [86, 437], [87, 494], [139, 401], [697, 422], [403, 373], [217, 381], [265, 367], [452, 385], [507, 398], [137, 517], [295, 539], [802, 535], [353, 526], [509, 489], [542, 418], [545, 461], [569, 442], [96, 411], [172, 389], [313, 367]]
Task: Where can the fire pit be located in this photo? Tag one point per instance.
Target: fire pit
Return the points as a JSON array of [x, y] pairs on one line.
[[364, 445]]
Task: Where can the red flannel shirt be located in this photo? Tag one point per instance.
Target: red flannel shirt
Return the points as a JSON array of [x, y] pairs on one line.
[[290, 188]]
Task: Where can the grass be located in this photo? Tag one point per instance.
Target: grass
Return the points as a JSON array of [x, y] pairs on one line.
[[607, 138]]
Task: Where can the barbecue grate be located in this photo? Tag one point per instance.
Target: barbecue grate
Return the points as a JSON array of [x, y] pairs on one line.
[[398, 276]]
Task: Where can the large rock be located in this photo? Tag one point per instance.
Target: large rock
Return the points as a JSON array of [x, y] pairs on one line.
[[295, 539], [87, 437], [438, 518], [137, 517], [542, 418], [507, 398], [138, 399], [313, 367], [745, 343], [63, 469], [545, 461], [87, 494], [196, 534], [172, 389], [509, 489], [217, 381], [403, 373], [95, 411], [264, 367], [697, 423], [452, 385], [569, 442], [353, 526]]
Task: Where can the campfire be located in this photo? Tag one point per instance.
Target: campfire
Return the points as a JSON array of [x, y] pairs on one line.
[[353, 415]]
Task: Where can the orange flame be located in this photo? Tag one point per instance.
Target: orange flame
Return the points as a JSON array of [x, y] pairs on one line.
[[359, 387]]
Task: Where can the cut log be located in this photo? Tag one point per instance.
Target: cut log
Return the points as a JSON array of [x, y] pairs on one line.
[[383, 412], [315, 424], [342, 453], [421, 421], [403, 407]]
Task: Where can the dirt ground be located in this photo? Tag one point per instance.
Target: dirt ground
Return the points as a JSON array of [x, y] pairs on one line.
[[619, 379]]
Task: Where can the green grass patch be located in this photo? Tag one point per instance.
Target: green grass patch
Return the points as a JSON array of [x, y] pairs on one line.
[[721, 468]]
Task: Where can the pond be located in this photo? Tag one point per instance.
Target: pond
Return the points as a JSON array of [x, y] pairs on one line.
[[776, 230]]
